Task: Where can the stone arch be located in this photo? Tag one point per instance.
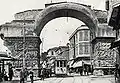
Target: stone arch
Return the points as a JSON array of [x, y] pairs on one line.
[[67, 9]]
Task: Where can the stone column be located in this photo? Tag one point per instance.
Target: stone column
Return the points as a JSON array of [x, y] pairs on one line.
[[118, 57], [38, 56]]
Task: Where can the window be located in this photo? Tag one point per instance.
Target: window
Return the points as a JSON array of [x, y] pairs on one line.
[[103, 32], [76, 38], [86, 35], [107, 5], [72, 42], [76, 50], [89, 35], [86, 49], [80, 49], [57, 63], [80, 35], [64, 64], [99, 32], [61, 64], [52, 53]]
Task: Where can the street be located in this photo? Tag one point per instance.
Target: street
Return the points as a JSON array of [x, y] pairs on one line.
[[72, 79], [78, 79]]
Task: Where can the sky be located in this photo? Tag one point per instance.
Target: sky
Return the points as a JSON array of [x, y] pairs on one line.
[[56, 35]]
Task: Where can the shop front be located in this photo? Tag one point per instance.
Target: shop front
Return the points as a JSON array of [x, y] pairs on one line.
[[5, 63]]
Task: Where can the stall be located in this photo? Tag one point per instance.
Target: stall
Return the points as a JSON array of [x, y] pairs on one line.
[[5, 59]]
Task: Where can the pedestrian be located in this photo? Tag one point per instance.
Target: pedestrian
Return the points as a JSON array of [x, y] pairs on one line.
[[22, 76], [87, 70], [1, 75], [84, 71], [116, 71], [42, 74], [5, 77], [81, 71], [10, 73], [50, 72], [31, 76], [25, 74], [91, 69]]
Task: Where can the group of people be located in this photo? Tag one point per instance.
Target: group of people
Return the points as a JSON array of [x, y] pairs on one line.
[[81, 70], [45, 73], [85, 70], [5, 77], [24, 73], [117, 71]]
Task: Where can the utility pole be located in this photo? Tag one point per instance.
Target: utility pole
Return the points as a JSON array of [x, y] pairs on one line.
[[42, 45], [24, 65]]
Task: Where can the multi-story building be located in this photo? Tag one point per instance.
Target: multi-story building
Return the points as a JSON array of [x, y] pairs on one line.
[[57, 52], [80, 44], [5, 61], [94, 52], [51, 58]]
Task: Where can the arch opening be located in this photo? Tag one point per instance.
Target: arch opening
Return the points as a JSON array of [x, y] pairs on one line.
[[63, 29], [73, 10]]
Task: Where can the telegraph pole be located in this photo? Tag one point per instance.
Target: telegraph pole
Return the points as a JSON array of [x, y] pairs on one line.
[[24, 65], [42, 45]]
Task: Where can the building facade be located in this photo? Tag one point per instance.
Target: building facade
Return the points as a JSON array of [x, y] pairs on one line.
[[102, 56], [80, 44], [14, 40], [95, 52], [13, 31], [55, 53], [113, 9], [61, 51]]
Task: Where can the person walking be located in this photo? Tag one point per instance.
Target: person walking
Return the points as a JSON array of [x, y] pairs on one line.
[[81, 71], [25, 74], [1, 75], [10, 73], [5, 77], [31, 76], [22, 76], [42, 74], [87, 70]]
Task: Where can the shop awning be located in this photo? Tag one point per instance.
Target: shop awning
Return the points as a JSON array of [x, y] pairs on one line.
[[51, 61], [77, 64], [70, 63], [104, 67], [87, 62], [4, 56]]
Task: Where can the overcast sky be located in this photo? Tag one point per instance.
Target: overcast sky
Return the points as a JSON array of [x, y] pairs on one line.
[[63, 28]]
